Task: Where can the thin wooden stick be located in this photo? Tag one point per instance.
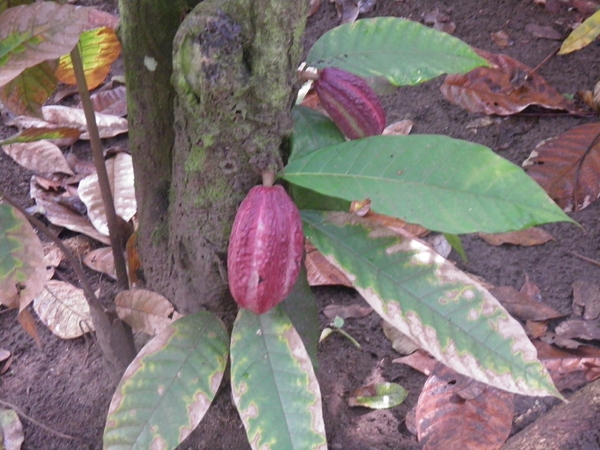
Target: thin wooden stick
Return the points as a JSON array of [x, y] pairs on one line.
[[39, 424], [585, 258], [116, 239]]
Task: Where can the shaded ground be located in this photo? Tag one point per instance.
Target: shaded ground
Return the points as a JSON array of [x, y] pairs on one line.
[[63, 386]]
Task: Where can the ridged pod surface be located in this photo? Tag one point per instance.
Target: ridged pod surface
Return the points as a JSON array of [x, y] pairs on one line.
[[351, 103], [265, 249]]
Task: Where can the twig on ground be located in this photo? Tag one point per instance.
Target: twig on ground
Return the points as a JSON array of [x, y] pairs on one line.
[[39, 424], [585, 258]]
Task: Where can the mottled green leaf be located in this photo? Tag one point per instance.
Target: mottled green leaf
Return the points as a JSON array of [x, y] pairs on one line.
[[274, 385], [38, 134], [25, 94], [443, 184], [22, 267], [427, 298], [400, 50], [30, 34], [169, 386]]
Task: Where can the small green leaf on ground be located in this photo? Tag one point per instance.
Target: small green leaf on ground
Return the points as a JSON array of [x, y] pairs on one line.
[[378, 396]]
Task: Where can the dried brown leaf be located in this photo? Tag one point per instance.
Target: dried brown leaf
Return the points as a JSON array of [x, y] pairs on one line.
[[502, 39], [586, 299], [446, 420], [354, 311], [543, 32], [144, 310], [38, 156], [568, 167], [64, 310], [521, 306], [101, 260], [400, 128], [526, 238], [420, 360], [570, 369], [400, 341], [321, 272], [507, 88], [578, 329]]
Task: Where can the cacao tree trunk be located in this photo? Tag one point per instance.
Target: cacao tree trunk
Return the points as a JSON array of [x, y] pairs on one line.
[[203, 126]]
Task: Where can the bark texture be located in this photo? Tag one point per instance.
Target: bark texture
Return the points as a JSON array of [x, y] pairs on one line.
[[197, 150]]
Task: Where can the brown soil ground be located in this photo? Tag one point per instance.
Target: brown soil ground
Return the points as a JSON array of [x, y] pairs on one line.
[[63, 384]]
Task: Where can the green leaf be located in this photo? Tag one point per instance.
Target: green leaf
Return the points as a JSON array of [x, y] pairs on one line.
[[378, 396], [443, 184], [301, 307], [312, 131], [456, 244], [427, 298], [22, 267], [400, 50], [30, 34], [169, 386], [274, 386]]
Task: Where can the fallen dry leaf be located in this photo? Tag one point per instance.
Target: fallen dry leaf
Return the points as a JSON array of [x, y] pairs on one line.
[[521, 306], [400, 128], [507, 88], [321, 272], [570, 369], [144, 310], [39, 156], [568, 167], [445, 419], [526, 238], [587, 330], [502, 39], [355, 311], [112, 101], [101, 260], [586, 299], [543, 32], [440, 20], [420, 360], [64, 310], [400, 342]]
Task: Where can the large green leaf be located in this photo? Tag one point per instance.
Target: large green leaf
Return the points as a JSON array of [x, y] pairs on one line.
[[400, 50], [274, 385], [22, 267], [30, 34], [169, 386], [427, 298], [444, 184]]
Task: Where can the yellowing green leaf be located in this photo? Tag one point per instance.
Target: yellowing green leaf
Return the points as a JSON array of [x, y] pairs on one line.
[[583, 35], [99, 48]]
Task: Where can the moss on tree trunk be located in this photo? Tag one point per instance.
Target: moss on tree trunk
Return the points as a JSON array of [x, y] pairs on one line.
[[199, 149]]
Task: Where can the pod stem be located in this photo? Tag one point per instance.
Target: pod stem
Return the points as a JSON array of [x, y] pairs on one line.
[[268, 178]]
